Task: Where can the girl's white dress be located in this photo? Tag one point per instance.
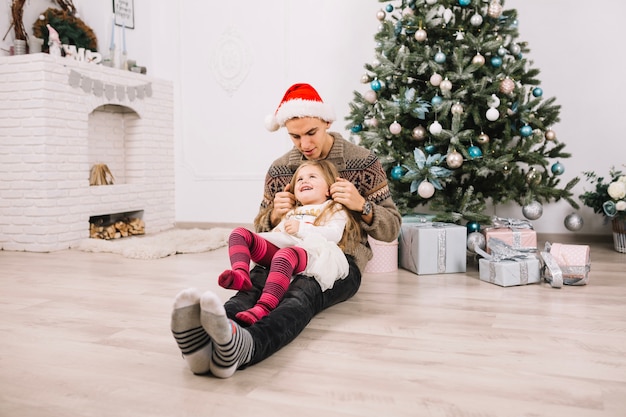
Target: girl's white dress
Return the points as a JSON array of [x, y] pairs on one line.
[[326, 261]]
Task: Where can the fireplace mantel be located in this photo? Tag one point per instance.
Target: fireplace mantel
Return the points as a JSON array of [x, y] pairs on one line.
[[57, 118]]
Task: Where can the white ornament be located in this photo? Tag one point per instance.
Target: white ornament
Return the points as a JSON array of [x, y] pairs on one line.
[[421, 35], [435, 128], [447, 15], [425, 189], [476, 20], [493, 114], [494, 101]]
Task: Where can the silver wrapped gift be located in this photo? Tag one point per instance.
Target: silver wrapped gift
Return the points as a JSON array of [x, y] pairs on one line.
[[507, 266], [433, 248]]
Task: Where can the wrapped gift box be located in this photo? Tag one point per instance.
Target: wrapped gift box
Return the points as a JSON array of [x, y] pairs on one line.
[[507, 273], [566, 264], [518, 234], [385, 257], [433, 248]]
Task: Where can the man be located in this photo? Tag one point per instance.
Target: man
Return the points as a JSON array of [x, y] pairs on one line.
[[204, 328]]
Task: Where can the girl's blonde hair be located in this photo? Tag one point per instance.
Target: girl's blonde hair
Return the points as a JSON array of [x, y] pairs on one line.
[[352, 233]]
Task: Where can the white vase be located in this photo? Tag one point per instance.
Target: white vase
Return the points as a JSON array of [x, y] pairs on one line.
[[619, 234], [34, 45]]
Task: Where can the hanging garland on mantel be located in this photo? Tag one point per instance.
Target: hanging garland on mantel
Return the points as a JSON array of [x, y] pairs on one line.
[[99, 88]]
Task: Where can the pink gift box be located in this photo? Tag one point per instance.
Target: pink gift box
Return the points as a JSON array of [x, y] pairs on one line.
[[385, 256], [574, 260], [515, 238]]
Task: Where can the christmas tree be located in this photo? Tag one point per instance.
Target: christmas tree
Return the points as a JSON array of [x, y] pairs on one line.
[[456, 113]]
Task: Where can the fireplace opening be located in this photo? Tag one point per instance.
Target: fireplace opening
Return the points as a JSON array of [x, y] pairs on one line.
[[117, 225]]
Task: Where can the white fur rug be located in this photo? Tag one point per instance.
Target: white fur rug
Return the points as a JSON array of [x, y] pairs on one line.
[[160, 245]]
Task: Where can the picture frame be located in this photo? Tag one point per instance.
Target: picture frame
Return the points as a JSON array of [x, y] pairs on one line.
[[124, 11]]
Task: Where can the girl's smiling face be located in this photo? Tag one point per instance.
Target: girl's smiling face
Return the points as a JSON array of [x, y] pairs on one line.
[[311, 186]]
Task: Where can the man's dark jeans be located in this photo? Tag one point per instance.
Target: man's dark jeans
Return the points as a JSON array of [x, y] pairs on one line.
[[302, 301]]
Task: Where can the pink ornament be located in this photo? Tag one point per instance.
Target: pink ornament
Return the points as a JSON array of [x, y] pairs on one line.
[[436, 79], [395, 128], [370, 96], [425, 189], [454, 159]]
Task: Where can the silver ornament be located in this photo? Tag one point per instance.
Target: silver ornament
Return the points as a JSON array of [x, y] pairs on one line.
[[532, 211], [476, 20], [475, 240], [573, 222]]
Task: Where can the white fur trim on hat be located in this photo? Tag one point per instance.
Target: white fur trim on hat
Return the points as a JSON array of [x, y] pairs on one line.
[[304, 108]]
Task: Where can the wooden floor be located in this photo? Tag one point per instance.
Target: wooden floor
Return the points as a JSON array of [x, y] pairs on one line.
[[86, 334]]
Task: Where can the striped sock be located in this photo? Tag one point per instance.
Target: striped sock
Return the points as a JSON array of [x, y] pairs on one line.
[[193, 341], [243, 246], [286, 263], [232, 345]]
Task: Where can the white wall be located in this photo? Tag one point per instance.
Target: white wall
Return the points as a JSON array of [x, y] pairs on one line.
[[222, 147]]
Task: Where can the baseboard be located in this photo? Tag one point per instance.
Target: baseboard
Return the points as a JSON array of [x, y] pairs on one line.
[[210, 225]]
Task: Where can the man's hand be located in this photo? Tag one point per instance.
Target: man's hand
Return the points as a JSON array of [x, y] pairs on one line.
[[283, 202], [344, 192]]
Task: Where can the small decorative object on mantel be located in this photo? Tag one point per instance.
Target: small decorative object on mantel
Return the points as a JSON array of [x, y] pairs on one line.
[[100, 175], [609, 199], [54, 42], [71, 29]]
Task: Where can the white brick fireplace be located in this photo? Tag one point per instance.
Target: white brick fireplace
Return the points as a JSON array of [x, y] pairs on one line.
[[58, 117]]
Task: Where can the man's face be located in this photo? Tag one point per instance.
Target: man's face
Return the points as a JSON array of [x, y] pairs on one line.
[[309, 136]]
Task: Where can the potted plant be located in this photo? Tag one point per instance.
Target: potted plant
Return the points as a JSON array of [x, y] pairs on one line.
[[609, 199]]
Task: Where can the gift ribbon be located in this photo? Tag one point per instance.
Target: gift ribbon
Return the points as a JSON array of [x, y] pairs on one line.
[[500, 251], [504, 223], [555, 277]]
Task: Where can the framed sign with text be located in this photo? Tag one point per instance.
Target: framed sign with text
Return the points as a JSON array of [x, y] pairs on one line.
[[124, 11]]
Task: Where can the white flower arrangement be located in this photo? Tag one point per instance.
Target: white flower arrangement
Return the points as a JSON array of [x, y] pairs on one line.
[[608, 198]]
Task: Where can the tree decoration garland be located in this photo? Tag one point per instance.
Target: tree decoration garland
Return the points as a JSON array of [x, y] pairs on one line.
[[72, 30]]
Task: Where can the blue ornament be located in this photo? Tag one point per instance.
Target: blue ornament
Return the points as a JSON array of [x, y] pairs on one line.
[[557, 168], [473, 226], [357, 128], [526, 131], [397, 172], [537, 92], [496, 61], [436, 100], [474, 152], [440, 57], [464, 2], [430, 149], [389, 8], [375, 85]]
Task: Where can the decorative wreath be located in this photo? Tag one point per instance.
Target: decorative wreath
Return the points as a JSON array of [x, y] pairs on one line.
[[72, 30]]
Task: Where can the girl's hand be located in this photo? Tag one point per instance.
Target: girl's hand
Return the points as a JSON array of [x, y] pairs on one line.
[[292, 226]]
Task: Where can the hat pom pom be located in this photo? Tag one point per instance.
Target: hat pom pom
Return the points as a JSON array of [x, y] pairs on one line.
[[271, 123]]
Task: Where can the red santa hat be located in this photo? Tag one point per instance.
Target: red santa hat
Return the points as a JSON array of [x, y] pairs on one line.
[[300, 100]]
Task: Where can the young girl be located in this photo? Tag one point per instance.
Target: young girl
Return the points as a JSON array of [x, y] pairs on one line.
[[309, 240]]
